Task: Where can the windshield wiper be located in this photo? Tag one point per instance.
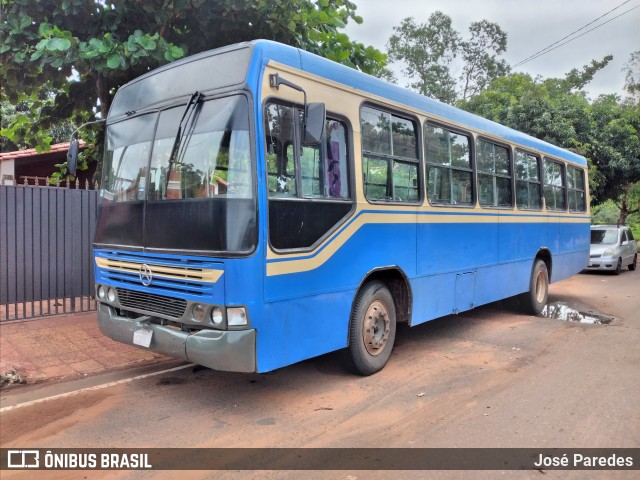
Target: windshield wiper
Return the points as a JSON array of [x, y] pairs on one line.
[[193, 101]]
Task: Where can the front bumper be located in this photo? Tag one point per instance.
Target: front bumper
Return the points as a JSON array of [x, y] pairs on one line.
[[603, 263], [232, 350]]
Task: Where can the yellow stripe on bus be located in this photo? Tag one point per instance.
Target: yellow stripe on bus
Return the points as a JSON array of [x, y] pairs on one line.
[[182, 273]]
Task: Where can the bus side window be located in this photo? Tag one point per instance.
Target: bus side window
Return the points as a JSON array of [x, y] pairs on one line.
[[494, 174], [281, 165], [450, 172], [390, 156], [576, 189], [324, 167], [308, 186], [528, 193], [554, 185], [311, 171]]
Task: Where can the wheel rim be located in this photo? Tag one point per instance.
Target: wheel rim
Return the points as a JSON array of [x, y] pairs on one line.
[[376, 328], [540, 286]]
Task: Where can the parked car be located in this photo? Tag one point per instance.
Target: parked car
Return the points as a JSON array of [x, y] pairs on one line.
[[612, 248]]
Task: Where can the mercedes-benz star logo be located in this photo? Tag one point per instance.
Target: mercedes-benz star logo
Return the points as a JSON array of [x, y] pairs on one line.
[[145, 274]]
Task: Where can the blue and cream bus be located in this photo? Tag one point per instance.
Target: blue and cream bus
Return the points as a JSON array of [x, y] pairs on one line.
[[261, 205]]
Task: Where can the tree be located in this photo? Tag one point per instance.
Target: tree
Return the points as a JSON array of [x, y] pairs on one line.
[[615, 150], [427, 52], [83, 50], [535, 107], [479, 55]]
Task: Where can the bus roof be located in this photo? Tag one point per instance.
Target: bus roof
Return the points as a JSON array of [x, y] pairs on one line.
[[322, 67]]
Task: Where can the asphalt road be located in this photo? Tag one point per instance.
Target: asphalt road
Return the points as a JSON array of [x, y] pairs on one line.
[[486, 378]]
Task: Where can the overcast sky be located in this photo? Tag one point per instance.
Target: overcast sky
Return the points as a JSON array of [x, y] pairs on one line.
[[531, 25]]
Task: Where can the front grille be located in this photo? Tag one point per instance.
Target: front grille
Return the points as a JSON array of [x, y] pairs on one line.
[[594, 256], [169, 276], [166, 271], [150, 303]]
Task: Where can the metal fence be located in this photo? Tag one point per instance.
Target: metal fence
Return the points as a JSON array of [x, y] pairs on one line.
[[46, 263]]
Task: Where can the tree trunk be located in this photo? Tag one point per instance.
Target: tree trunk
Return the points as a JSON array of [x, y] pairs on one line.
[[624, 209], [105, 102], [103, 95]]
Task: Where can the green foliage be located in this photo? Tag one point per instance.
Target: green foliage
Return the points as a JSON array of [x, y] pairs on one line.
[[479, 55], [540, 108], [614, 145], [606, 213], [16, 131], [428, 50]]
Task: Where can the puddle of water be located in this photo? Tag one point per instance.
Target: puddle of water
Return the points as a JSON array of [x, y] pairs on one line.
[[561, 311]]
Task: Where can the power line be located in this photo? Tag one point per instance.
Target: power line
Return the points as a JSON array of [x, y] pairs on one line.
[[581, 35], [557, 43], [548, 48]]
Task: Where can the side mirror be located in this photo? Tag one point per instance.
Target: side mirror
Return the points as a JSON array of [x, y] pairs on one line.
[[315, 117], [72, 157]]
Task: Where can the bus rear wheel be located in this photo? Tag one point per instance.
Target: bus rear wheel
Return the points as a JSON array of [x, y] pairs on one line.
[[372, 329], [534, 301]]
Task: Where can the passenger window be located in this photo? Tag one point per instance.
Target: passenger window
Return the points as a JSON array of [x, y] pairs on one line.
[[528, 191], [554, 185], [576, 189], [450, 174], [494, 175], [390, 157]]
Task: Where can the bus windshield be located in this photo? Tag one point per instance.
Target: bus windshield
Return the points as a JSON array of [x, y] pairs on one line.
[[209, 176]]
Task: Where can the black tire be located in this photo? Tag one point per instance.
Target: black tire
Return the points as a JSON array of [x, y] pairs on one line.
[[534, 301], [372, 329], [618, 267], [632, 266]]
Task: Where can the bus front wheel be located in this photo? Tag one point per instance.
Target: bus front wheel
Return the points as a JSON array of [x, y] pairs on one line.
[[372, 329], [534, 301]]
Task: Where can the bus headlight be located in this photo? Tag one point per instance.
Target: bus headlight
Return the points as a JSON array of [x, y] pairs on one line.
[[236, 317], [102, 292], [111, 295], [198, 312], [216, 316]]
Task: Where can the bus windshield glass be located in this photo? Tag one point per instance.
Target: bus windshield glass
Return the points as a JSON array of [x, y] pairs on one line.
[[196, 189]]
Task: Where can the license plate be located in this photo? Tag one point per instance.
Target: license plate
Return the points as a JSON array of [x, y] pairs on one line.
[[142, 337]]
